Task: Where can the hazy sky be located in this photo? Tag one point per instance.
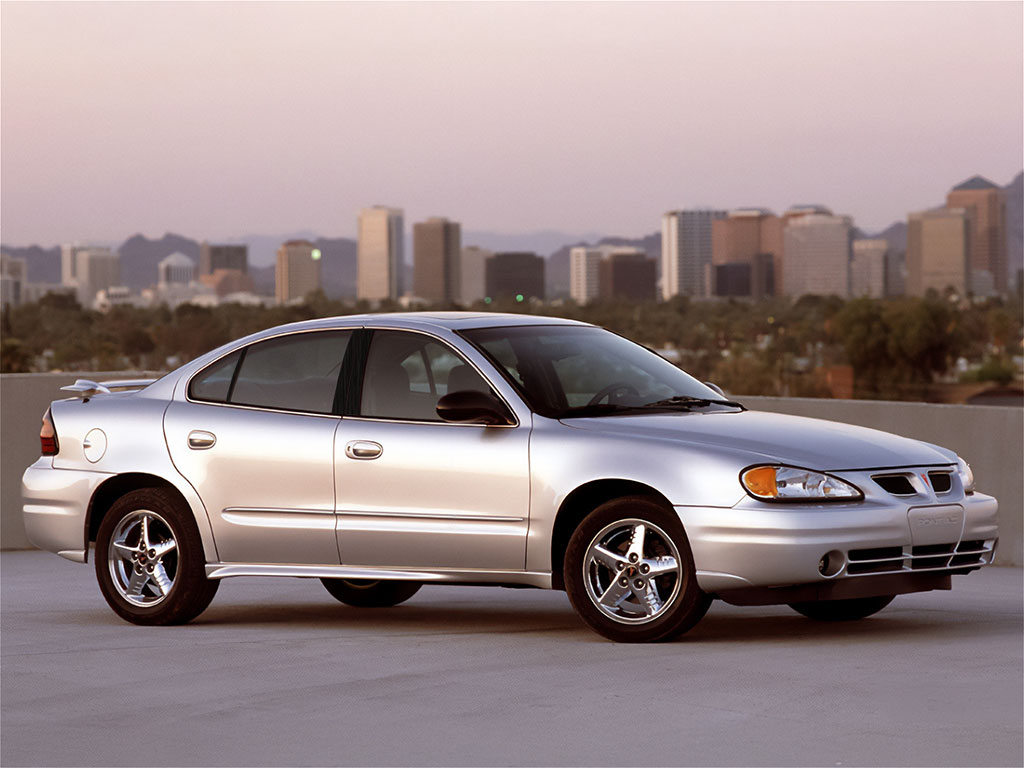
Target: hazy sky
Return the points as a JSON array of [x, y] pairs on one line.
[[214, 120]]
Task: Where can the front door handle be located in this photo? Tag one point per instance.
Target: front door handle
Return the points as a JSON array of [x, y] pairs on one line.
[[363, 449], [199, 439]]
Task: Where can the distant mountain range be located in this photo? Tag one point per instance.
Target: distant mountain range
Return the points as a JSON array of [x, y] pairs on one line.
[[140, 255]]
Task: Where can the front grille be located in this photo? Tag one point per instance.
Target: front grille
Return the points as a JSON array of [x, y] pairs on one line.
[[920, 558], [877, 560], [969, 553], [897, 485], [930, 556], [941, 481]]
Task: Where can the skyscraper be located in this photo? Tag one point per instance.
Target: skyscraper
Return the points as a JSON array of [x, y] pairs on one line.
[[985, 206], [473, 269], [89, 270], [214, 257], [298, 271], [868, 268], [746, 254], [818, 246], [609, 272], [379, 258], [516, 275], [584, 273], [627, 273], [938, 251], [13, 276], [436, 247], [686, 251]]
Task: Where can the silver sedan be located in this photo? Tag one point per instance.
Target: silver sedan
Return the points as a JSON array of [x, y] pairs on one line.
[[383, 452]]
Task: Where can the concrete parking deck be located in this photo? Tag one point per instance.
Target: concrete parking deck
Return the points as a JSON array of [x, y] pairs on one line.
[[276, 672]]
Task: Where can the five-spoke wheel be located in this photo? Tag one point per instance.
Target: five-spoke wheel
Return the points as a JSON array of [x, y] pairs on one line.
[[149, 560], [630, 575]]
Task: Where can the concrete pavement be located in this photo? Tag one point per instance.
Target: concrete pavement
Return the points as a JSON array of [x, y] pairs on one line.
[[277, 673]]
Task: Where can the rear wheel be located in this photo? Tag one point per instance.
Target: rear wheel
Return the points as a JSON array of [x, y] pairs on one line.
[[149, 560], [371, 593], [842, 610], [630, 574]]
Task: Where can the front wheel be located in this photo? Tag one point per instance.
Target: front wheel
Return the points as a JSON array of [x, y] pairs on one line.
[[630, 575], [149, 560], [371, 593], [842, 610]]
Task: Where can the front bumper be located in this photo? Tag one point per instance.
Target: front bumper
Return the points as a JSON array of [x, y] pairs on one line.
[[56, 503], [757, 544]]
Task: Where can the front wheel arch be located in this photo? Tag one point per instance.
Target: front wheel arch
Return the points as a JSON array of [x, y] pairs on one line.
[[580, 503]]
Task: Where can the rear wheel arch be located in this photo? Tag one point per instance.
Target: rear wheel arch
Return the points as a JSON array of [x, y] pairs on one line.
[[580, 503], [116, 487]]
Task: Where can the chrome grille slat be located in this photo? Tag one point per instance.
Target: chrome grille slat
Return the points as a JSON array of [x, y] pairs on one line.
[[929, 557]]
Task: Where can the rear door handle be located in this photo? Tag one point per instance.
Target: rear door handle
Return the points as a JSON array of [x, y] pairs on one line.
[[363, 449], [199, 439]]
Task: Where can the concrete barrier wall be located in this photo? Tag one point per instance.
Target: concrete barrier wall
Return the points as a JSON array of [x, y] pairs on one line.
[[990, 438]]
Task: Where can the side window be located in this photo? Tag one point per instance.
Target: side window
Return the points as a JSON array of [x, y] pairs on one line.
[[407, 373], [291, 373], [214, 384]]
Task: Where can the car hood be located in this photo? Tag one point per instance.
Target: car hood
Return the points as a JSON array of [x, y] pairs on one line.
[[810, 443]]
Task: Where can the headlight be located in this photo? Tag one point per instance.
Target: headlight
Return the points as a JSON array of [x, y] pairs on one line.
[[778, 483], [966, 475]]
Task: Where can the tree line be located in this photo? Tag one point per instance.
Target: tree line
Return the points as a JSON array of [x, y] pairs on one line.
[[897, 348]]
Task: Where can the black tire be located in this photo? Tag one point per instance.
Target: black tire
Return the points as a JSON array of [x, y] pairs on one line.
[[371, 593], [166, 519], [680, 601], [842, 610]]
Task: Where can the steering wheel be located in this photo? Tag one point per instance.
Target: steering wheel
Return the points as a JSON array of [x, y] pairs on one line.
[[618, 386]]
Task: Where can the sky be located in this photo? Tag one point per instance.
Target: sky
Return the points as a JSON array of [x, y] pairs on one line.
[[215, 120]]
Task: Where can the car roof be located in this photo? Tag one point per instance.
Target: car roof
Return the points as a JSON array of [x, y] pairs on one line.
[[453, 321]]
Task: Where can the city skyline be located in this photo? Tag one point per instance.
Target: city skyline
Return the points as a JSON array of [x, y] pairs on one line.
[[859, 93]]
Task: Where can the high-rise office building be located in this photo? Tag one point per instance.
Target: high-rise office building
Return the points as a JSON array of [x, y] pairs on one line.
[[610, 272], [584, 273], [686, 250], [473, 274], [436, 249], [298, 271], [176, 269], [938, 251], [13, 276], [746, 254], [868, 268], [985, 205], [516, 275], [379, 258], [90, 270], [214, 257], [818, 247], [627, 273]]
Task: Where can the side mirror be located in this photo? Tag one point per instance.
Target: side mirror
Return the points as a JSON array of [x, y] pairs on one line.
[[715, 387], [472, 407]]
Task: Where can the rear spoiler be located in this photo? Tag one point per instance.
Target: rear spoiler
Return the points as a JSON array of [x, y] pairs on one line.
[[84, 388]]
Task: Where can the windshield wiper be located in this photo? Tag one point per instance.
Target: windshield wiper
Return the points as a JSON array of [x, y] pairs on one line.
[[688, 401]]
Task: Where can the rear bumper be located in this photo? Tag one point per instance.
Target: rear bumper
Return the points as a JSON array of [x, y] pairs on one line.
[[755, 545], [56, 502]]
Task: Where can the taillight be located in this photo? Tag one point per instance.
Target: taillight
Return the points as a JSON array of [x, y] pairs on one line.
[[48, 436]]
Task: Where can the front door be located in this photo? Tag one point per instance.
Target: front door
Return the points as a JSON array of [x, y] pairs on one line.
[[255, 437], [415, 491]]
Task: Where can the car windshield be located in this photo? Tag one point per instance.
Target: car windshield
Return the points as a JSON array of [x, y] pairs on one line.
[[565, 370]]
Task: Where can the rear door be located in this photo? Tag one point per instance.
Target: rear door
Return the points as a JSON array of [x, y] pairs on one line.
[[415, 491], [254, 435]]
